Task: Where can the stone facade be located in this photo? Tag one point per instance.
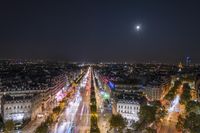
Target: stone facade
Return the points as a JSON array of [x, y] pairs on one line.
[[16, 108], [128, 109]]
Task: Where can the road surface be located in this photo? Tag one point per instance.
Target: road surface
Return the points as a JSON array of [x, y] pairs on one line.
[[76, 116]]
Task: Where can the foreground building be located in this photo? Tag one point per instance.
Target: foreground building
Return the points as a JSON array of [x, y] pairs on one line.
[[128, 109], [16, 108], [128, 105], [19, 105], [27, 90]]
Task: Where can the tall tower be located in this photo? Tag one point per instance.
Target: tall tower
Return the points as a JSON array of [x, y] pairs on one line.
[[180, 66], [188, 61]]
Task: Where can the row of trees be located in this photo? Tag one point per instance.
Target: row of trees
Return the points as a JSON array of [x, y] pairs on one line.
[[188, 78], [117, 122], [9, 125], [172, 92], [193, 106], [190, 121], [186, 96], [150, 116], [43, 128], [149, 119], [93, 108]]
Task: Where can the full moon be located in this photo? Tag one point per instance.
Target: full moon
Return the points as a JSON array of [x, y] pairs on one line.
[[138, 27]]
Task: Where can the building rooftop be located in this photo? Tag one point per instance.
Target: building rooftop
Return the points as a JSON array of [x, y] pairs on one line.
[[8, 98]]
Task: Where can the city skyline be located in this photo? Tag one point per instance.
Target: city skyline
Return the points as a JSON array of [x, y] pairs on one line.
[[98, 31], [57, 97]]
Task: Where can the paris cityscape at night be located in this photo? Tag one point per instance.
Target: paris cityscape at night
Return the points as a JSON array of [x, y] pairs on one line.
[[100, 66]]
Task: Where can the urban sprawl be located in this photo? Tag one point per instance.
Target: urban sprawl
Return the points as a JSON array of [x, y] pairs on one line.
[[60, 97]]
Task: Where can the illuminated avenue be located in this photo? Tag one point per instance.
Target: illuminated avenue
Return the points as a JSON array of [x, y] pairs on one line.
[[55, 97], [100, 66]]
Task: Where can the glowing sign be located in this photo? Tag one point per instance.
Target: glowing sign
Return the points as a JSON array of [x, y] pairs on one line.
[[106, 96], [111, 85]]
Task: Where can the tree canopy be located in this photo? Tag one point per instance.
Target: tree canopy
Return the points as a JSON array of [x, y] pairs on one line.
[[117, 121], [9, 125], [180, 123], [186, 96], [150, 114], [192, 122], [193, 106], [172, 92], [43, 128]]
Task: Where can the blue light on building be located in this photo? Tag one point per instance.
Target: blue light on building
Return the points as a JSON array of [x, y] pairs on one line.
[[111, 85]]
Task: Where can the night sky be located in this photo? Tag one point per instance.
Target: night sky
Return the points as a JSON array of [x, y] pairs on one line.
[[99, 30]]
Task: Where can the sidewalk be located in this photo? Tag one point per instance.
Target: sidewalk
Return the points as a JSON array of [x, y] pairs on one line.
[[32, 125]]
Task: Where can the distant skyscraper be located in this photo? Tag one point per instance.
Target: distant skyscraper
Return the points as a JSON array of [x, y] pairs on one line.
[[188, 61]]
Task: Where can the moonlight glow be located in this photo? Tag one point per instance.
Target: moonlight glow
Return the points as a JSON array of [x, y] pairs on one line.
[[138, 27]]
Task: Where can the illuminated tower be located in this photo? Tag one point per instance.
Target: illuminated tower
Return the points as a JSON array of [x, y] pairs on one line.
[[188, 61], [180, 66]]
